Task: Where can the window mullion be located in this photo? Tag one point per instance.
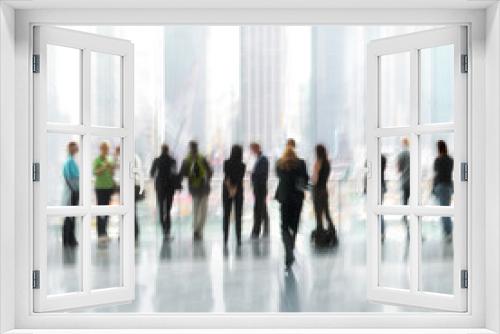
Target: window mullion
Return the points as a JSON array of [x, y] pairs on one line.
[[414, 166]]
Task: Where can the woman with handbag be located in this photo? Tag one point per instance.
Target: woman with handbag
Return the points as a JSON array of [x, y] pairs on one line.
[[232, 192]]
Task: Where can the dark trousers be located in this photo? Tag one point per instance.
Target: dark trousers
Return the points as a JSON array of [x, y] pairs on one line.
[[165, 200], [443, 193], [68, 232], [227, 204], [322, 208], [290, 216], [406, 198], [260, 213], [103, 198]]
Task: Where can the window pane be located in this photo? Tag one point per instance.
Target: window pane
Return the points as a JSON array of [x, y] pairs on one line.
[[63, 84], [63, 169], [106, 89], [436, 84], [64, 266], [106, 252], [436, 254], [395, 171], [106, 170], [394, 245], [394, 97], [436, 169]]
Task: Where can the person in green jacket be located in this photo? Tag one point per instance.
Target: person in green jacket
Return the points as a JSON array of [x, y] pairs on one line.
[[103, 169], [198, 171]]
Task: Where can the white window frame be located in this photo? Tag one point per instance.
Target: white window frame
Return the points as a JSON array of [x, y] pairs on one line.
[[86, 43], [25, 318], [415, 210]]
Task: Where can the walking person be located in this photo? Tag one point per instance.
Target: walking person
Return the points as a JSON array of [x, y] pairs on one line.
[[321, 173], [198, 171], [71, 174], [403, 164], [164, 172], [103, 169], [293, 179], [259, 177], [442, 185], [232, 191]]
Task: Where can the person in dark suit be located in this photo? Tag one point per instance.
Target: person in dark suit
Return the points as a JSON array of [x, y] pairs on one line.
[[232, 191], [164, 172], [293, 179], [260, 175]]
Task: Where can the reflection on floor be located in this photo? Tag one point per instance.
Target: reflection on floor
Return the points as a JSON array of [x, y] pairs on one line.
[[182, 276]]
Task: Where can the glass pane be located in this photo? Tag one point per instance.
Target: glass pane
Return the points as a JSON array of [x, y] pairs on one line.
[[394, 244], [106, 91], [106, 170], [394, 90], [63, 84], [64, 266], [63, 169], [436, 254], [106, 256], [436, 84], [395, 172], [436, 169]]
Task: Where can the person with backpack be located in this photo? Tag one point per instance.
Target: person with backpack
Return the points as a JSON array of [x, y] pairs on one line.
[[293, 180], [164, 172], [71, 174], [198, 171]]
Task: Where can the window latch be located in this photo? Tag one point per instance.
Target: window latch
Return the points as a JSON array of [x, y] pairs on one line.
[[464, 171], [36, 64], [464, 279], [36, 172], [36, 279]]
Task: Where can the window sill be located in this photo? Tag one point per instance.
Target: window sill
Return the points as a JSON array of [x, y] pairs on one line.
[[253, 331]]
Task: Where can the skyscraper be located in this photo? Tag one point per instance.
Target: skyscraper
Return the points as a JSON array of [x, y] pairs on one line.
[[262, 85], [185, 85]]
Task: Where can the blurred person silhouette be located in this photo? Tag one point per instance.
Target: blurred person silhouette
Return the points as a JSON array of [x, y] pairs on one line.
[[198, 171], [138, 196], [71, 174], [442, 185], [103, 168], [259, 177], [383, 191], [293, 179], [403, 165], [232, 191], [319, 180], [164, 172]]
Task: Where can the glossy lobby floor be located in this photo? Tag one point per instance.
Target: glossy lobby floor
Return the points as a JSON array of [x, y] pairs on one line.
[[182, 276]]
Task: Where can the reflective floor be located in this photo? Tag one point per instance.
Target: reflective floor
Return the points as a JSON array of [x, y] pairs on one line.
[[182, 276]]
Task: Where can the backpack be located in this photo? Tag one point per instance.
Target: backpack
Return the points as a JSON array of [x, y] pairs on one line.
[[197, 172]]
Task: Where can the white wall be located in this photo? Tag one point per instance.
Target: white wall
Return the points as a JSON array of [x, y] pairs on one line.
[[492, 168], [7, 175]]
